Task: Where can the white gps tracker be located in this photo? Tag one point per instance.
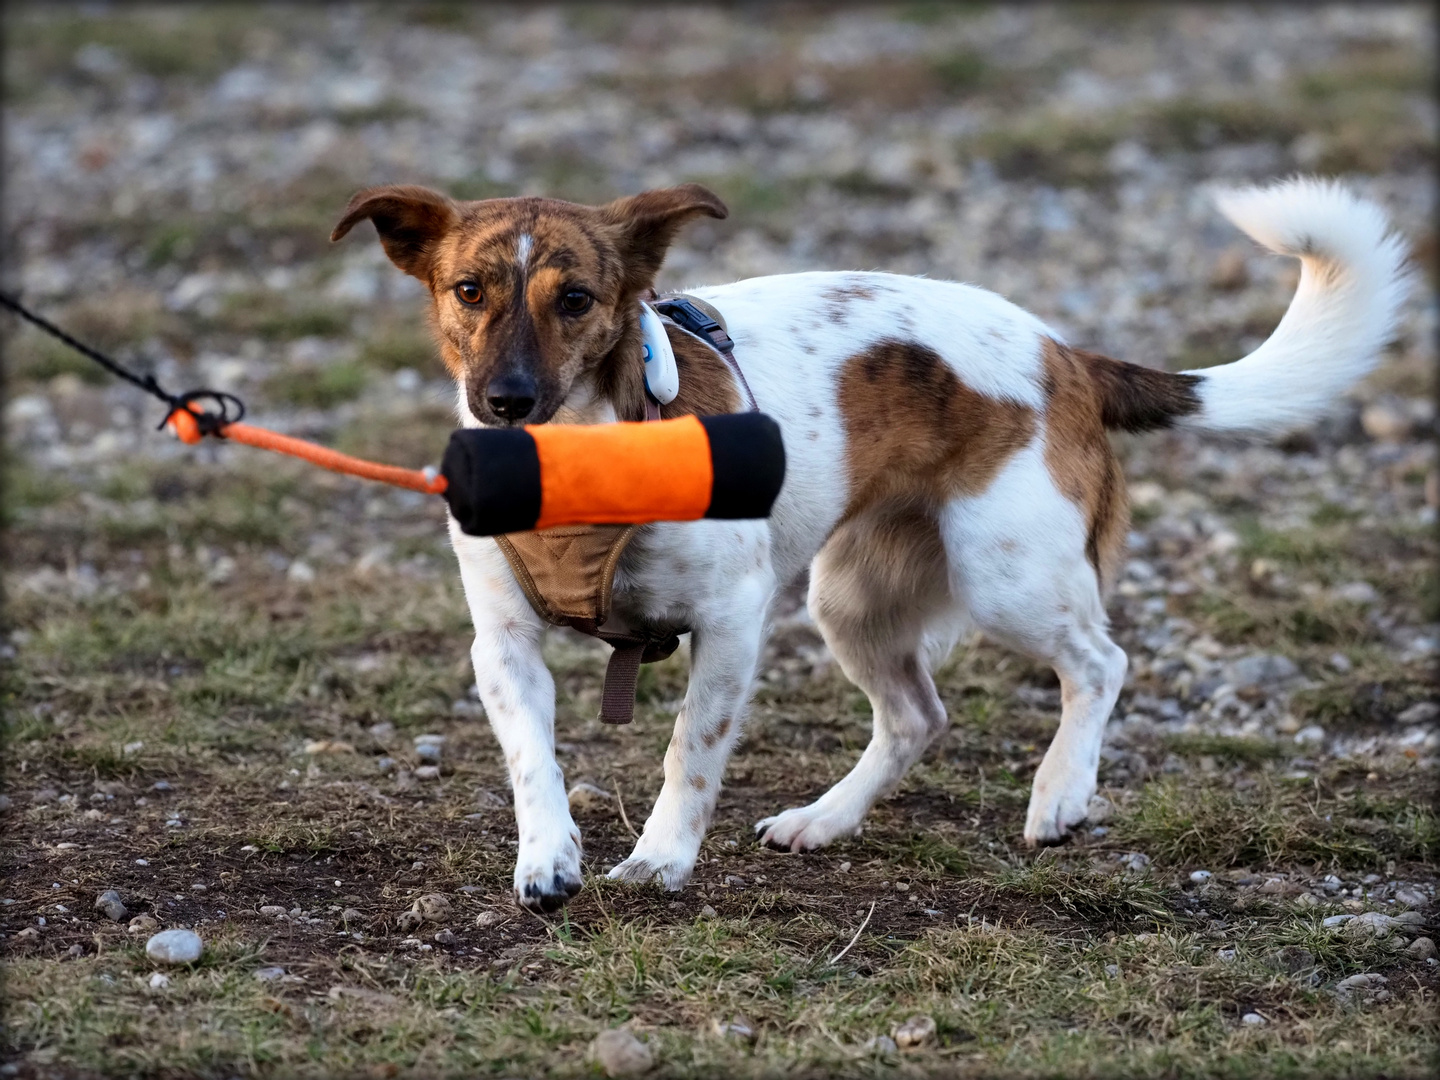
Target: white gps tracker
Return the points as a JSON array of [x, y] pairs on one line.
[[662, 377]]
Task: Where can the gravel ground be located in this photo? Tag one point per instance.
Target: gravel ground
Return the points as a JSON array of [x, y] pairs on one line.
[[172, 176]]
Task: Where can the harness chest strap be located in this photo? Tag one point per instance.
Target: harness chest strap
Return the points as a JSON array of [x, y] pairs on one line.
[[568, 573]]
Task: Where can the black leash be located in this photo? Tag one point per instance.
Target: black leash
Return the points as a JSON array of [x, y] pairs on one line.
[[231, 408]]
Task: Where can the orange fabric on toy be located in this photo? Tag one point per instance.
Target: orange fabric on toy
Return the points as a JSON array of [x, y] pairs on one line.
[[619, 473]]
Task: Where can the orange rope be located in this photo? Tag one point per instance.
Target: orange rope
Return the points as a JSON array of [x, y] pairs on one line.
[[187, 429]]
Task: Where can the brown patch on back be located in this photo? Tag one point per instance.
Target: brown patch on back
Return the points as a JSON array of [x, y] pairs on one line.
[[915, 432], [1078, 454]]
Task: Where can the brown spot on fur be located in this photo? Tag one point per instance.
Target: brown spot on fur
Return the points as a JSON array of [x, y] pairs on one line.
[[838, 298], [1135, 398], [916, 432], [698, 782], [1078, 453], [718, 732]]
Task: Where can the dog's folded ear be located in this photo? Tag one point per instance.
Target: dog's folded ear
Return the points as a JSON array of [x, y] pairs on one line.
[[410, 221], [645, 224]]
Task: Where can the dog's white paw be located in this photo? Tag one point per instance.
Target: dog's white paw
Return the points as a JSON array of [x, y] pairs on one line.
[[545, 880], [673, 869], [804, 828], [1059, 799]]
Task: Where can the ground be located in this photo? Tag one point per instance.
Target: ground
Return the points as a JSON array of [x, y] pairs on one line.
[[218, 661]]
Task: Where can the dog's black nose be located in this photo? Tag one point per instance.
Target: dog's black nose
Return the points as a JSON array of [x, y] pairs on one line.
[[511, 397]]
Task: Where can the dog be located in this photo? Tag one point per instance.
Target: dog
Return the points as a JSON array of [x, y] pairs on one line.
[[948, 469]]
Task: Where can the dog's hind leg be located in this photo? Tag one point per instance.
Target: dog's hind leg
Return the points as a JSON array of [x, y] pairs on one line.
[[1019, 563], [879, 593]]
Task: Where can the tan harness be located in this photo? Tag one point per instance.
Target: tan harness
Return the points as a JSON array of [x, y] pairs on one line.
[[568, 573]]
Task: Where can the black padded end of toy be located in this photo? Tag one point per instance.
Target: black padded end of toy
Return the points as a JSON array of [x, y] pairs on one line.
[[492, 478], [748, 457]]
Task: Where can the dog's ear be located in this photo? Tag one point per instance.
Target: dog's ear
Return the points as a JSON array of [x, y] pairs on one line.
[[645, 224], [409, 219]]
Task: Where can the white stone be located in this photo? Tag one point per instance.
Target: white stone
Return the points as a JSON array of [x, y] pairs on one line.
[[109, 904], [585, 796], [1200, 877], [619, 1053], [914, 1032], [159, 980], [174, 947]]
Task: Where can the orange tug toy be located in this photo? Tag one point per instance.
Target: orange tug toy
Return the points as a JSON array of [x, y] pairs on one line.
[[503, 480]]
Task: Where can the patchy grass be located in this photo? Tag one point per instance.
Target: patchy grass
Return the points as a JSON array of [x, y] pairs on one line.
[[1218, 825]]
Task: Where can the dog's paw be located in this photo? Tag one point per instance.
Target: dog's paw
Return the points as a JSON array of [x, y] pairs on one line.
[[546, 883], [1056, 803], [804, 828], [674, 873]]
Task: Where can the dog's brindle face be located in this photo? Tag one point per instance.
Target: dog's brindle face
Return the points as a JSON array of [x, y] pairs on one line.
[[530, 295]]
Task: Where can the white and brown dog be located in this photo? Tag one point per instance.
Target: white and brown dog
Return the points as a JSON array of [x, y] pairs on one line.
[[948, 468]]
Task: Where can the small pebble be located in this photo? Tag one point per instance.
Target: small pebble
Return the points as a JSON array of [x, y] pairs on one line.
[[487, 919], [844, 868], [75, 951], [174, 947], [272, 911], [1411, 898], [584, 796], [142, 924], [1372, 924], [429, 747], [1336, 920], [445, 937], [914, 1032], [385, 764], [159, 980], [1112, 970], [29, 933], [1252, 1018], [708, 912], [1368, 980], [619, 1053], [881, 1044], [408, 920], [432, 907], [351, 914], [1200, 877], [428, 772], [142, 862], [737, 1027], [1422, 948], [109, 904], [270, 974]]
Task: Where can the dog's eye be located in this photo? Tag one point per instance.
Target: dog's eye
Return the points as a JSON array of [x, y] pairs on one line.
[[576, 302], [469, 293]]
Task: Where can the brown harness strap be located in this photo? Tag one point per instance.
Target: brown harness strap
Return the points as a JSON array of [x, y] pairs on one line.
[[567, 573]]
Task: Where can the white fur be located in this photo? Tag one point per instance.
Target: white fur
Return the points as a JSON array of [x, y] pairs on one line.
[[1352, 281], [1014, 555], [523, 247]]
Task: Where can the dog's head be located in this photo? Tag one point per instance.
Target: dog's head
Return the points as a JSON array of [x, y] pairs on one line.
[[529, 294]]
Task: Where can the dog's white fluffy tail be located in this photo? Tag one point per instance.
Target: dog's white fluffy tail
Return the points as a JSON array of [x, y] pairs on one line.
[[1352, 281]]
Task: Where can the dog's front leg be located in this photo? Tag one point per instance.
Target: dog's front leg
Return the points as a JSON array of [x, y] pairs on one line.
[[724, 648], [519, 698]]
